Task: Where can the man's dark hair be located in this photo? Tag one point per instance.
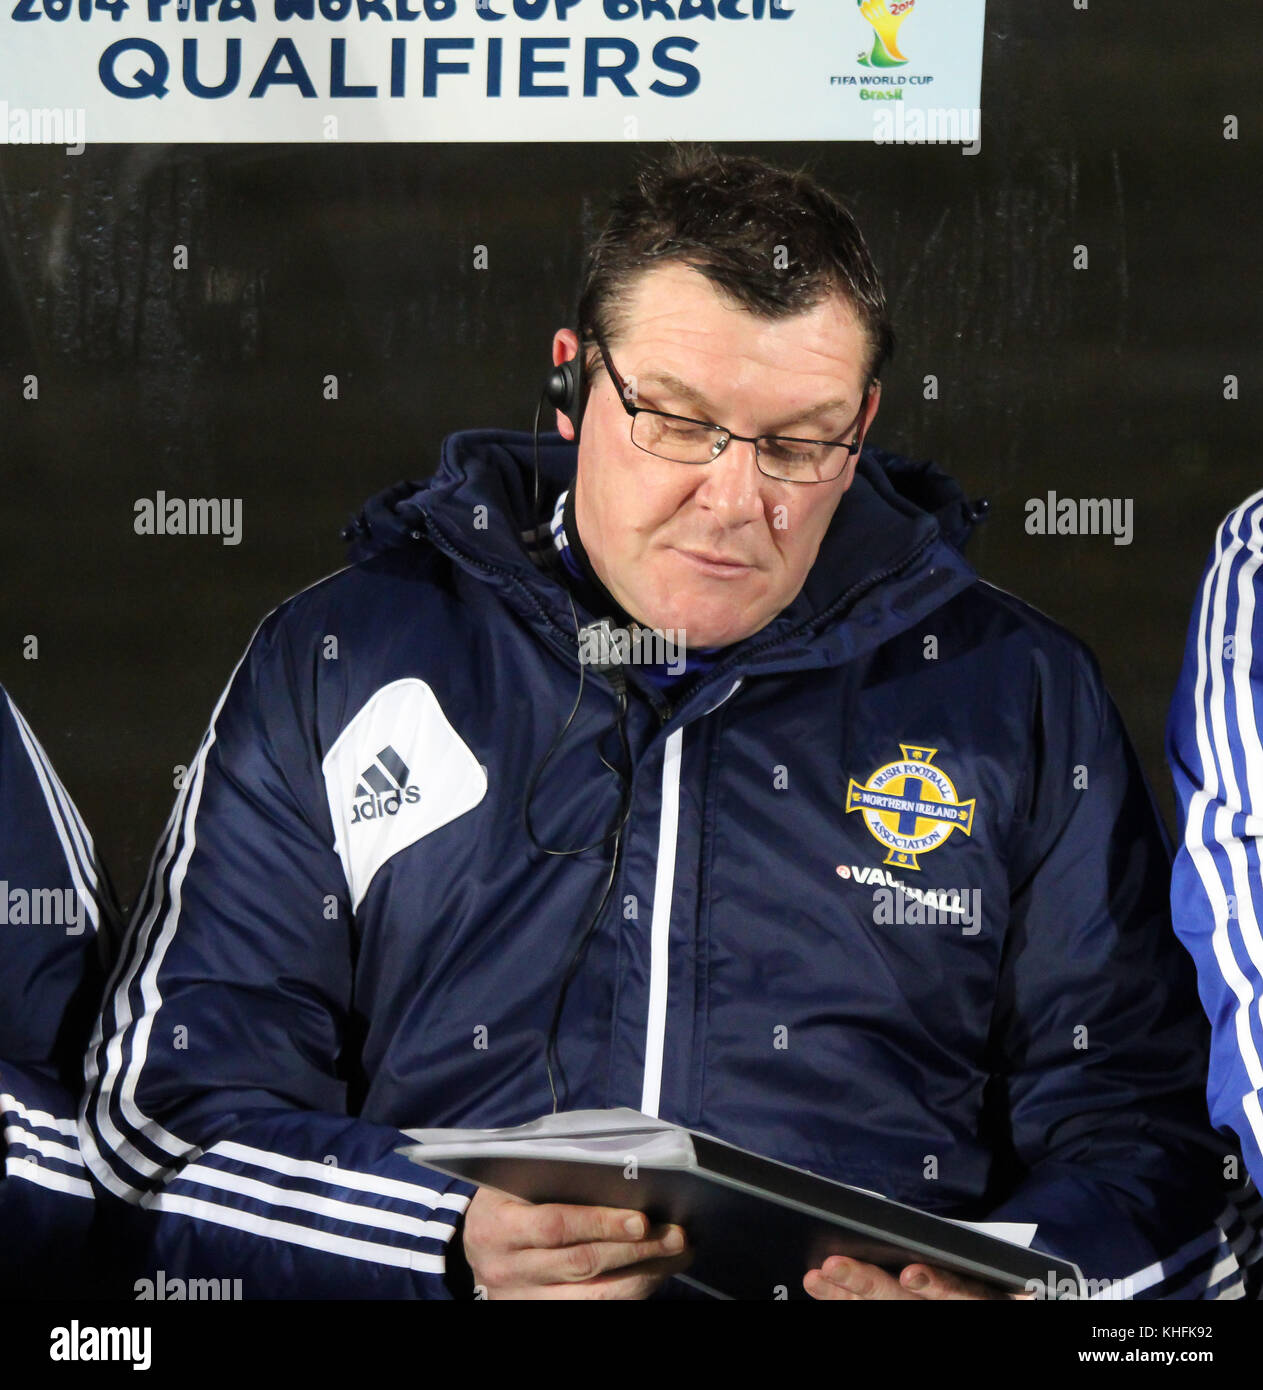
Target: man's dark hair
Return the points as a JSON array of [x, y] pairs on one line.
[[774, 241]]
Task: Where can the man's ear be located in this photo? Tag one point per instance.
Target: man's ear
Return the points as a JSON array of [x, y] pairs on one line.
[[868, 415], [870, 410], [565, 347]]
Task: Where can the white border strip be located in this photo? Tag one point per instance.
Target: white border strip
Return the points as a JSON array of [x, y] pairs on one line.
[[660, 928]]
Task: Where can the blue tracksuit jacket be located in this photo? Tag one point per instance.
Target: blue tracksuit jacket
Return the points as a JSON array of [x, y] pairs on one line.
[[57, 925], [346, 930], [1216, 755]]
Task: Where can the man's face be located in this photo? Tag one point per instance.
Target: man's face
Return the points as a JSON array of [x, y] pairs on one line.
[[716, 549]]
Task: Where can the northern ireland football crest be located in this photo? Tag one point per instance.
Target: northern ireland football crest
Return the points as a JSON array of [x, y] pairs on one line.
[[910, 806]]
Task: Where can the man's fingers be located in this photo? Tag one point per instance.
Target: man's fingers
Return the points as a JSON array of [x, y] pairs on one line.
[[635, 1283], [575, 1264], [842, 1279], [940, 1284], [553, 1225], [639, 1281], [520, 1249]]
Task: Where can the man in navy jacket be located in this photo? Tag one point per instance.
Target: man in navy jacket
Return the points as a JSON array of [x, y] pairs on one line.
[[864, 877], [57, 923]]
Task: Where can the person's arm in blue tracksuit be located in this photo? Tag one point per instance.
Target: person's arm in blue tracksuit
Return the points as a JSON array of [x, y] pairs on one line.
[[217, 1109], [1100, 1049], [1215, 751], [57, 924]]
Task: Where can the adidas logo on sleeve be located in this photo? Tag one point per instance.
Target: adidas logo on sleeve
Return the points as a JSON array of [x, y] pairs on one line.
[[398, 772], [383, 788]]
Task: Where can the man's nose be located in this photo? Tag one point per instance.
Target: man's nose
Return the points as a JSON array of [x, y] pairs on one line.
[[731, 485]]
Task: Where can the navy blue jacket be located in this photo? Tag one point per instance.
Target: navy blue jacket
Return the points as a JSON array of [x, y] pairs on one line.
[[346, 930], [57, 926]]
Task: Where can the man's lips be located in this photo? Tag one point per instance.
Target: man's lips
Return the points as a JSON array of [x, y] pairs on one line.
[[718, 566]]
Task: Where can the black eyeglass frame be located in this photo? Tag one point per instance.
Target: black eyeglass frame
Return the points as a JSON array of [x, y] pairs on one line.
[[620, 386]]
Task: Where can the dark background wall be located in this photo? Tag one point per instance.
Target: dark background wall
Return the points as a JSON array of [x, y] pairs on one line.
[[1102, 128]]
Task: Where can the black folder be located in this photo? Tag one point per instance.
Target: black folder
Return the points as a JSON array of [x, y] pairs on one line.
[[756, 1225]]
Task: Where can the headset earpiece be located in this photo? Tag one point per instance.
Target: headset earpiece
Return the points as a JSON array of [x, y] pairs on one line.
[[559, 388], [565, 390]]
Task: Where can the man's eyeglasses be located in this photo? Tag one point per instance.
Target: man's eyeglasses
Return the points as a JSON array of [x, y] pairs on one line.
[[685, 440]]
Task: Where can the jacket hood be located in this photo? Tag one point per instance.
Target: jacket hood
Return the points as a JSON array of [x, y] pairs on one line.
[[925, 485]]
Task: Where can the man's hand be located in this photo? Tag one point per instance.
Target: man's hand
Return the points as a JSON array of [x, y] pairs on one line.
[[839, 1277], [519, 1249]]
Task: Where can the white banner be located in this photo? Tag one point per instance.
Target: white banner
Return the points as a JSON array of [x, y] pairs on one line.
[[136, 71]]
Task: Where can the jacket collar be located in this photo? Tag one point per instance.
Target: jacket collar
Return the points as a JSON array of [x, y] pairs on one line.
[[884, 563]]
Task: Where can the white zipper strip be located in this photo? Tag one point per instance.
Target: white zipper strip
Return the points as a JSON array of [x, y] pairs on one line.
[[660, 928]]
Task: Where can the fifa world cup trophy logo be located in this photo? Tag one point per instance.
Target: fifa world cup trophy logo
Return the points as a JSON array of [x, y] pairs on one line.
[[886, 17]]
